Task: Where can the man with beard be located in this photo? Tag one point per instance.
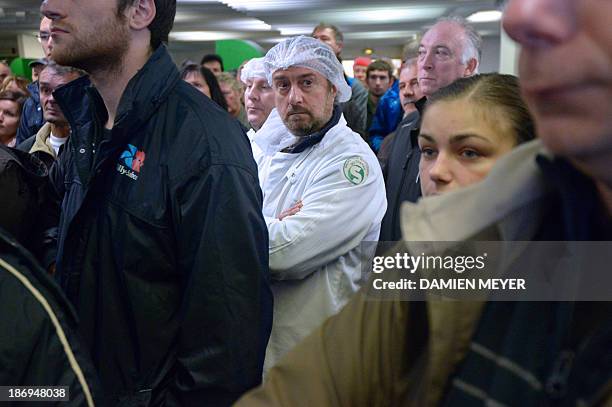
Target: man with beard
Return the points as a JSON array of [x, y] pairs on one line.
[[32, 117], [323, 191], [558, 188], [162, 247]]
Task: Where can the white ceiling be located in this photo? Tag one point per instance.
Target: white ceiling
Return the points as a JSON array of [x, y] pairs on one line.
[[384, 26]]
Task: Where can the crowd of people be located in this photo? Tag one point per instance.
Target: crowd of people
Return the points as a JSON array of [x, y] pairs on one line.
[[186, 235]]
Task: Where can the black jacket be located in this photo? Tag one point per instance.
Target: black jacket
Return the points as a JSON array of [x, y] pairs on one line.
[[39, 344], [22, 194], [163, 248], [401, 174], [31, 115]]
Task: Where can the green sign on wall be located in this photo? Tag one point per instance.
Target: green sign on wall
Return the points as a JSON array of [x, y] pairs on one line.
[[235, 52]]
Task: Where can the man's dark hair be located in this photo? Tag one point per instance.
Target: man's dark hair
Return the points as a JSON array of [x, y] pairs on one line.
[[379, 65], [337, 33], [161, 25], [212, 57], [211, 80]]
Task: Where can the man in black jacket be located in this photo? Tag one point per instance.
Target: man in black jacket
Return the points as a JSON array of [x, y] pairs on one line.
[[37, 323], [32, 116], [162, 246], [448, 51]]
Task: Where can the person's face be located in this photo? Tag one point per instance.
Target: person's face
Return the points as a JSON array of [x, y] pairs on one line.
[[232, 97], [44, 36], [4, 72], [304, 99], [359, 72], [49, 81], [327, 36], [378, 82], [87, 35], [13, 87], [214, 66], [196, 80], [440, 55], [258, 101], [566, 72], [36, 72], [409, 90], [9, 120], [459, 144]]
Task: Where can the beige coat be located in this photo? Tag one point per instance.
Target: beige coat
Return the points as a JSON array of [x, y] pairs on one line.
[[400, 353]]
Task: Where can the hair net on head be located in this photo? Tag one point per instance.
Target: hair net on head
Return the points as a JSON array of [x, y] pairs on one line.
[[253, 69], [307, 52]]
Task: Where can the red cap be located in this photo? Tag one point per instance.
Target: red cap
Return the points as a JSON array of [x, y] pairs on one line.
[[362, 61]]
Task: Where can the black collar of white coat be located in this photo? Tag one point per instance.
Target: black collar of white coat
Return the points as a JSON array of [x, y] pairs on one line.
[[317, 136]]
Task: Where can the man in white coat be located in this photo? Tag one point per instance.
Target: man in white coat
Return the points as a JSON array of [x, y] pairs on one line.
[[323, 189], [258, 95]]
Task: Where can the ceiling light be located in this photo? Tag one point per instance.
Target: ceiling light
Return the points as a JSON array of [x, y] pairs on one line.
[[295, 29], [377, 15], [485, 16], [203, 36]]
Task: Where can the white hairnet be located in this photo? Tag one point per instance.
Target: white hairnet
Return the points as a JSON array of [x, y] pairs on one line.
[[307, 52], [253, 69]]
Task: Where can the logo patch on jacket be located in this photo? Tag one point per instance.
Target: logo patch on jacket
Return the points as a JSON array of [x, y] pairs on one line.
[[131, 162], [355, 170]]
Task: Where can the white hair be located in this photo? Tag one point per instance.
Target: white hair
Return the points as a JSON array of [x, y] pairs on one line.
[[472, 48]]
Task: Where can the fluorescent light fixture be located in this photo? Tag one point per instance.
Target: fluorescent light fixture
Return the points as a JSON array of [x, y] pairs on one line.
[[377, 15], [377, 35], [250, 24], [295, 29], [271, 5], [485, 16], [203, 36]]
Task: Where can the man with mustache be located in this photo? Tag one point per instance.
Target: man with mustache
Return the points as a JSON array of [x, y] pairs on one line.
[[556, 188], [323, 191], [162, 248]]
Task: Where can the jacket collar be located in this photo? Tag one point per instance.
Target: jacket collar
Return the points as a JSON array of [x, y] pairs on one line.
[[508, 199], [317, 136], [40, 142], [141, 98]]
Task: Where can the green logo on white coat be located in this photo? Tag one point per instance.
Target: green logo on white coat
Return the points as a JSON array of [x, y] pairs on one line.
[[355, 170]]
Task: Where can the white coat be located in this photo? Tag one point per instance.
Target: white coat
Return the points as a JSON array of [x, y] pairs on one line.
[[316, 255]]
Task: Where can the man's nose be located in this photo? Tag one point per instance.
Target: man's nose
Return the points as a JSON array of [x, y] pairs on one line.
[[426, 61], [540, 23], [295, 95]]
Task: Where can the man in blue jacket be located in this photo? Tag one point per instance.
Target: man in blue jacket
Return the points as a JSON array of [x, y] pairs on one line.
[[162, 246]]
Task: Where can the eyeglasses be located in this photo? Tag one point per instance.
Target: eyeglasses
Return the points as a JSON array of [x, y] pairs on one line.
[[43, 36]]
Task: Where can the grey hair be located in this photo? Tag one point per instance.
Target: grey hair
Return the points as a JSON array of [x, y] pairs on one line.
[[473, 47], [410, 62], [62, 70]]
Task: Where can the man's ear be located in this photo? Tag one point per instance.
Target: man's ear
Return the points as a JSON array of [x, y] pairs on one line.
[[471, 67], [142, 14]]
